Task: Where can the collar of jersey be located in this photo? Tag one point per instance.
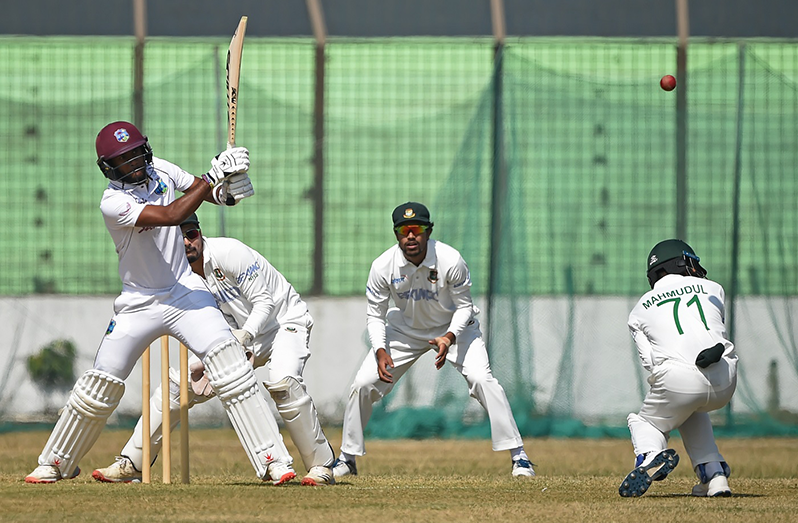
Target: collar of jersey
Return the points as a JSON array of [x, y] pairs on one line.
[[430, 260], [667, 279]]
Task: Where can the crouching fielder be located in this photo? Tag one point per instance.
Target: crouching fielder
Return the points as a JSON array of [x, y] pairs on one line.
[[430, 285], [160, 296], [273, 324], [680, 334]]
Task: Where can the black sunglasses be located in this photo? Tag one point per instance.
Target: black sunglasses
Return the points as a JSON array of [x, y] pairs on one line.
[[191, 234]]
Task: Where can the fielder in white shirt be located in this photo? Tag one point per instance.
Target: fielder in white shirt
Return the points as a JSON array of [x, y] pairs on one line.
[[273, 324], [160, 296], [430, 286], [680, 334]]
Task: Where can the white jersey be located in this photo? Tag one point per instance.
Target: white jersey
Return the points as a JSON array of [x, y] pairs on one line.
[[677, 319], [151, 259], [248, 288], [433, 298]]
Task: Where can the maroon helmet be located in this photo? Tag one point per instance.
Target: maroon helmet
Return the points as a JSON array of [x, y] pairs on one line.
[[118, 138]]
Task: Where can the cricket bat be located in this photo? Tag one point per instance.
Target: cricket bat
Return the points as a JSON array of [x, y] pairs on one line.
[[233, 76]]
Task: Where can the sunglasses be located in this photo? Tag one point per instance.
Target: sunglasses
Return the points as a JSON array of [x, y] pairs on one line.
[[417, 230], [191, 234]]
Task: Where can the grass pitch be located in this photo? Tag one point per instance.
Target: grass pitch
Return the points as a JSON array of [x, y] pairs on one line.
[[405, 481]]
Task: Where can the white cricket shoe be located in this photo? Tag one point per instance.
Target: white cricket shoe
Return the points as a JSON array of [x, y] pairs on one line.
[[48, 474], [714, 488], [279, 473], [522, 468], [343, 468], [319, 475], [121, 471], [659, 463]]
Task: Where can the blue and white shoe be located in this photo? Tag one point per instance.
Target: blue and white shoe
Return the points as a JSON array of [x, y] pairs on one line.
[[343, 468], [522, 468], [715, 487], [637, 482]]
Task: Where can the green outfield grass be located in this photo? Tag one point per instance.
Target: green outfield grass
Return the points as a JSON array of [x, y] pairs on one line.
[[406, 481]]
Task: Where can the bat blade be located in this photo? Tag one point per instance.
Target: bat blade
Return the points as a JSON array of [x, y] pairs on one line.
[[233, 76], [233, 67]]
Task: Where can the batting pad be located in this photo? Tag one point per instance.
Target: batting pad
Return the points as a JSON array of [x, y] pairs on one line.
[[302, 421], [94, 397], [233, 379]]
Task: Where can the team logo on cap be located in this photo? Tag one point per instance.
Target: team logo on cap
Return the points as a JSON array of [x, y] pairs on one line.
[[410, 213], [652, 260], [121, 135]]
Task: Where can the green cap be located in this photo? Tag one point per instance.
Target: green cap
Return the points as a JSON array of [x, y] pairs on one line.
[[191, 220]]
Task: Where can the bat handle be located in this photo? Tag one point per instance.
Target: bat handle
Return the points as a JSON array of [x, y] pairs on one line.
[[230, 201]]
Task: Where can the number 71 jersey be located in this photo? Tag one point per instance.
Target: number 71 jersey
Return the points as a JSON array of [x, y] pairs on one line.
[[677, 319]]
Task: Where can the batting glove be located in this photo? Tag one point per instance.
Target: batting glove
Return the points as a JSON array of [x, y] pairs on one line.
[[239, 186], [226, 163]]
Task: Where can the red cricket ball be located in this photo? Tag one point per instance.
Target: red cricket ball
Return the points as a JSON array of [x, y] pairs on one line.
[[668, 83]]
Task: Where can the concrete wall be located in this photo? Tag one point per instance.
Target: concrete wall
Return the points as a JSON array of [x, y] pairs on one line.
[[606, 381], [714, 18]]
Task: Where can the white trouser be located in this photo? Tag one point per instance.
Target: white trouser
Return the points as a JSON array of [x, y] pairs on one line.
[[468, 355], [681, 395], [187, 313]]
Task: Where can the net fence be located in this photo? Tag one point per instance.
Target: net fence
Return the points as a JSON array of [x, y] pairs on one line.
[[550, 166]]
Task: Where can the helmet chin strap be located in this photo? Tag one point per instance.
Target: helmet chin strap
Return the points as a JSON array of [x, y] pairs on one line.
[[143, 181]]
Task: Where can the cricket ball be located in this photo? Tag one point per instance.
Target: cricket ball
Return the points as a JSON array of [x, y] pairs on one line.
[[668, 83]]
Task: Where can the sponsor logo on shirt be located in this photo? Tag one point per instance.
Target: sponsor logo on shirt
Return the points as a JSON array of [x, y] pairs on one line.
[[223, 295], [110, 328], [400, 279], [249, 274], [418, 295], [126, 210]]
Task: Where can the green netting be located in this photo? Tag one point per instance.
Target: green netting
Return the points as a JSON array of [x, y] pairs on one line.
[[554, 209]]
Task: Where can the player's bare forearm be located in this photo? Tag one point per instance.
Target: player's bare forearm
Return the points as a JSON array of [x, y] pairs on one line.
[[178, 210]]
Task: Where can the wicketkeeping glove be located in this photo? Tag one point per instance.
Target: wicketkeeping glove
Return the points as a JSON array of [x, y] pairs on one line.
[[226, 163], [239, 186], [243, 336]]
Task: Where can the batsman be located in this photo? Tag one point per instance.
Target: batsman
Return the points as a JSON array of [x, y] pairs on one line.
[[160, 296]]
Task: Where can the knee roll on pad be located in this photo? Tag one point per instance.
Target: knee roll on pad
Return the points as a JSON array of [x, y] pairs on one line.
[[302, 421], [233, 379], [94, 397]]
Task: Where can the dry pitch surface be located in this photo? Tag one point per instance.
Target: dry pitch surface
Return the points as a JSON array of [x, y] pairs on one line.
[[407, 481]]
